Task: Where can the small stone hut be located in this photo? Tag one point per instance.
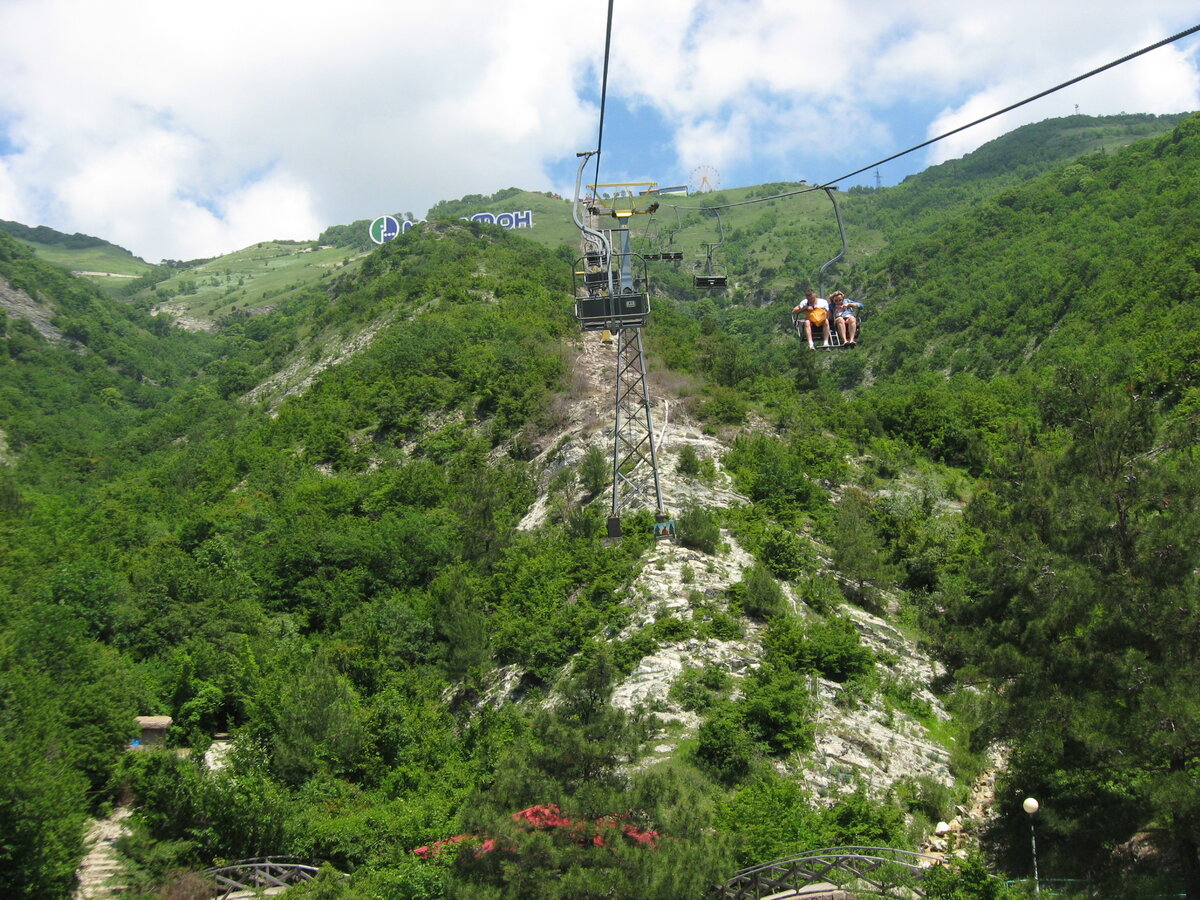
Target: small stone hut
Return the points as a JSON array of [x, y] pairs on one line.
[[152, 730]]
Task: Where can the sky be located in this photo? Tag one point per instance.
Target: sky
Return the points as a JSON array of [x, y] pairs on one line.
[[181, 131]]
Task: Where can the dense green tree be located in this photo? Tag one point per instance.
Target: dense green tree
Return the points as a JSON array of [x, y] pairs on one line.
[[858, 553], [773, 817], [42, 815], [235, 813], [461, 622], [725, 745], [311, 719], [1088, 615], [589, 829], [332, 573], [594, 470], [967, 880]]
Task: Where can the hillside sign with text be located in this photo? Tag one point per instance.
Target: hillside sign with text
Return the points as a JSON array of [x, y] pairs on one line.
[[387, 228]]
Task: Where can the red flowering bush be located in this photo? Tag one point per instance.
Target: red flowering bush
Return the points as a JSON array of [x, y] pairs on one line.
[[547, 817]]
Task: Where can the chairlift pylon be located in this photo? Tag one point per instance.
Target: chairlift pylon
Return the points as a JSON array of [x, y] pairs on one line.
[[612, 297]]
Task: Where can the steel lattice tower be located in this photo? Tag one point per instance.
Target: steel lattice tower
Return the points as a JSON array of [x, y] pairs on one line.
[[611, 295], [635, 458]]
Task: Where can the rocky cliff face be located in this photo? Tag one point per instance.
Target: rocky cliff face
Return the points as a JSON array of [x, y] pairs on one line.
[[857, 742], [19, 305]]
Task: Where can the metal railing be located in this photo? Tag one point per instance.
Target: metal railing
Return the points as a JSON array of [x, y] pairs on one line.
[[261, 872], [858, 870]]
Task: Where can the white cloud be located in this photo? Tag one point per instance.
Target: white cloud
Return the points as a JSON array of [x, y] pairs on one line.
[[1163, 81], [180, 132], [12, 205], [167, 131], [831, 85]]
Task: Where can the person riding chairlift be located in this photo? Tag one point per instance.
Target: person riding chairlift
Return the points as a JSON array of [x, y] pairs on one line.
[[815, 312], [844, 318]]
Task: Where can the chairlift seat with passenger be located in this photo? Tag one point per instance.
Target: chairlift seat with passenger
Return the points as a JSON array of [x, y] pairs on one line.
[[835, 341], [595, 281]]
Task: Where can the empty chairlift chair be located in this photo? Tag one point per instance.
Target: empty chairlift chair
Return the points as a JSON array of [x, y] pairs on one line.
[[670, 253], [710, 275], [602, 303]]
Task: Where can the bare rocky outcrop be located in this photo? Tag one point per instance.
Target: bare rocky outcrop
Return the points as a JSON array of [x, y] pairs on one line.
[[857, 741], [298, 376], [19, 305], [179, 313]]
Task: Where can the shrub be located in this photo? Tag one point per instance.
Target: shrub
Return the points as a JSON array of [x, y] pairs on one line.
[[831, 647], [722, 626], [859, 821], [689, 461], [902, 695], [671, 629], [698, 529], [786, 554], [724, 407], [926, 795], [594, 470], [968, 880], [627, 654], [820, 593], [759, 595], [724, 745], [699, 689]]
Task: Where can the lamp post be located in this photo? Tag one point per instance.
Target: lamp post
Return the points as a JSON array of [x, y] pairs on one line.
[[1031, 806]]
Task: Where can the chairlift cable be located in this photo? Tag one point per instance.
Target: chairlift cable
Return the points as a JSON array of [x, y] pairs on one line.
[[604, 88], [842, 231], [1038, 96], [1124, 59]]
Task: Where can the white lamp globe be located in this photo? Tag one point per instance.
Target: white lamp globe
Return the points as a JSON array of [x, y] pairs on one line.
[[1030, 805]]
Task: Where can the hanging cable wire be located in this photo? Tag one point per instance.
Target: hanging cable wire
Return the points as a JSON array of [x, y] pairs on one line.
[[1039, 96], [999, 112], [604, 89]]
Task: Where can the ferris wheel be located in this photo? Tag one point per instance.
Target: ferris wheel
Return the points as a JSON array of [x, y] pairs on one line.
[[704, 180]]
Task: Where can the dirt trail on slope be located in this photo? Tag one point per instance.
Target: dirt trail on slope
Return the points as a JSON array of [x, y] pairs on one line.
[[101, 875]]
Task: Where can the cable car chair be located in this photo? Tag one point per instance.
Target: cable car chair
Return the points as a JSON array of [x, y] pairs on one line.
[[610, 288], [712, 277], [798, 319], [653, 239], [673, 255], [601, 303]]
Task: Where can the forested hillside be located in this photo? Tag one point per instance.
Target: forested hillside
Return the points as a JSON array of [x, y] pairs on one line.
[[768, 244], [311, 529]]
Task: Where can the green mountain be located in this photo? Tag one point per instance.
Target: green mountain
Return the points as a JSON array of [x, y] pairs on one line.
[[771, 248], [101, 262], [359, 526]]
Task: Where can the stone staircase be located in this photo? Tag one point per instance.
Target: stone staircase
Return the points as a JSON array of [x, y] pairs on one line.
[[101, 875]]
